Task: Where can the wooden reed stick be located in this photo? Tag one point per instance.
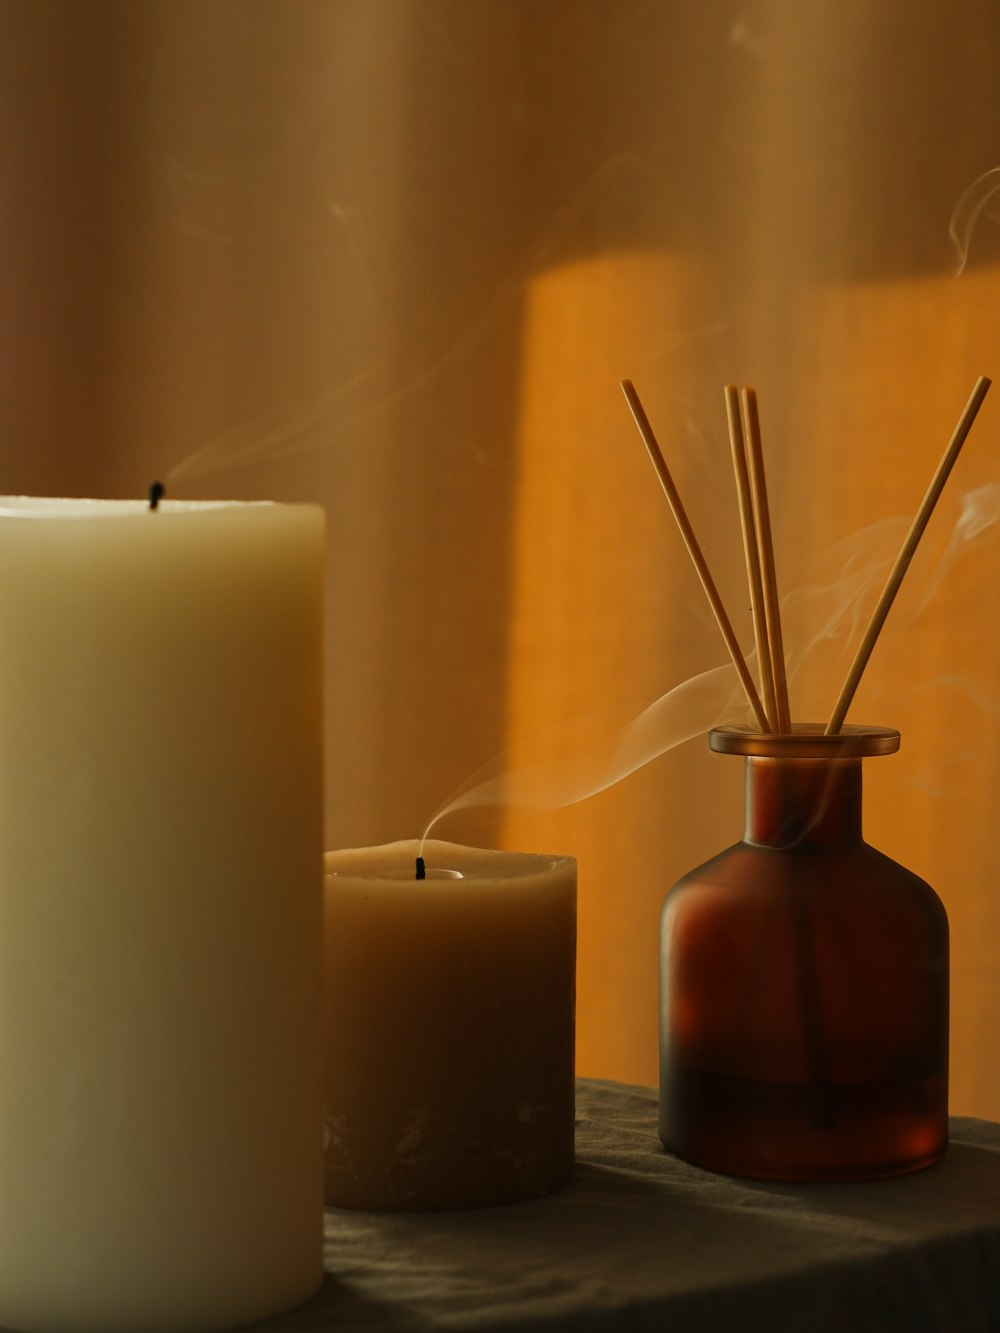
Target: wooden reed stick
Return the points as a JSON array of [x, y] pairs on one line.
[[906, 555], [762, 522], [750, 551], [694, 551]]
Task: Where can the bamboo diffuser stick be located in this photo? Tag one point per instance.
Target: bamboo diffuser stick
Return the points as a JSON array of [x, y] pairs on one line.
[[695, 552], [751, 551], [765, 548], [906, 553]]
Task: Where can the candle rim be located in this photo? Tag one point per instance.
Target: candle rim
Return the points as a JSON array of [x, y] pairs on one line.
[[38, 507], [380, 862]]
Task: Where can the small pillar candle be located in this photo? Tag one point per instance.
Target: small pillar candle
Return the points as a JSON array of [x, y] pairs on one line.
[[161, 900], [449, 1026]]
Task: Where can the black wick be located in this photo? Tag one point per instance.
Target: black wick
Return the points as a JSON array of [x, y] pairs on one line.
[[421, 868], [156, 493]]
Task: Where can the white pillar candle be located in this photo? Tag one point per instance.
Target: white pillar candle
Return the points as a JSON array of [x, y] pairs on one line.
[[160, 913], [449, 1026]]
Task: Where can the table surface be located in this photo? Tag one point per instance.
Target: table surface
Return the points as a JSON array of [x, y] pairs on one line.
[[641, 1241]]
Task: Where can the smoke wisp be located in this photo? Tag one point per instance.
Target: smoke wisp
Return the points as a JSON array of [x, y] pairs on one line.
[[823, 618], [979, 199]]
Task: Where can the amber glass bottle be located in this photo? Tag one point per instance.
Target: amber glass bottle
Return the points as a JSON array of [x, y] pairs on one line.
[[804, 982]]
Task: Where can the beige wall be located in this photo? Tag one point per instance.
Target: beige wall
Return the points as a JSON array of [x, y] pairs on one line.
[[396, 257]]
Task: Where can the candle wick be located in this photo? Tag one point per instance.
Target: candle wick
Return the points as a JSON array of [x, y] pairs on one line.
[[421, 868], [156, 494]]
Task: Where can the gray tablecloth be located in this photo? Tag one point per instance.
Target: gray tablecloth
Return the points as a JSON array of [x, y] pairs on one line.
[[641, 1241]]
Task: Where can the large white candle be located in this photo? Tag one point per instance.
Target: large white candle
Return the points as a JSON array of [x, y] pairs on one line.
[[160, 913], [450, 1026]]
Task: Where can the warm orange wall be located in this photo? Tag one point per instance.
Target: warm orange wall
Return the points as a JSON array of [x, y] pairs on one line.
[[606, 607]]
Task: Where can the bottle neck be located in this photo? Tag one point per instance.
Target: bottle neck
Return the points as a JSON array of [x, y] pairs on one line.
[[799, 803]]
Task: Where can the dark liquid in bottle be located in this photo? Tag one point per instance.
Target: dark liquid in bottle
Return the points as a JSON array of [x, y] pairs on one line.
[[808, 1131]]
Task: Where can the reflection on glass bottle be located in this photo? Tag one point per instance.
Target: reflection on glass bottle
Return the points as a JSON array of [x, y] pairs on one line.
[[804, 982]]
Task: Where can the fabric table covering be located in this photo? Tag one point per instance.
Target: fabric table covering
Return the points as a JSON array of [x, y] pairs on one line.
[[642, 1241]]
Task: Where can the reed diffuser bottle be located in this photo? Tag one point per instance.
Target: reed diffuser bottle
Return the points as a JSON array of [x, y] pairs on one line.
[[804, 986], [804, 975]]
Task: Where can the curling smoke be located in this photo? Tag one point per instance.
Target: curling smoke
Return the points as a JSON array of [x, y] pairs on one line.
[[980, 197], [571, 762], [584, 756]]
